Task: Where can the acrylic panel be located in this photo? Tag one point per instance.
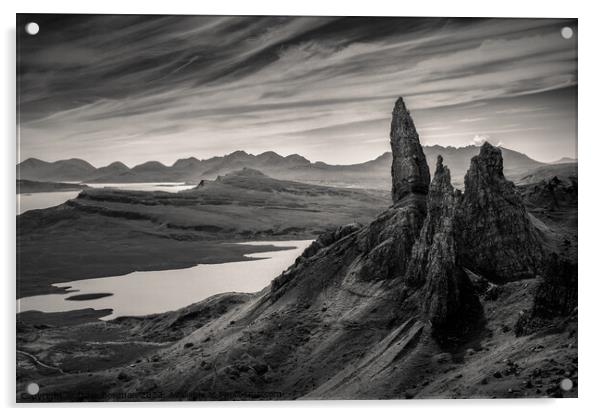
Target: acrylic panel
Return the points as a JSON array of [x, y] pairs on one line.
[[289, 207]]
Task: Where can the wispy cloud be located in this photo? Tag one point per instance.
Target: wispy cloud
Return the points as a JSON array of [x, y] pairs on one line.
[[204, 85], [472, 120]]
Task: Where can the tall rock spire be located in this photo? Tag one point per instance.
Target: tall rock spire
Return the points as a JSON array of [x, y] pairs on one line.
[[409, 170], [496, 236], [450, 302]]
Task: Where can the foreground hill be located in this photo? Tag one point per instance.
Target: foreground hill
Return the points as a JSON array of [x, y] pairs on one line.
[[371, 174], [107, 232], [443, 294]]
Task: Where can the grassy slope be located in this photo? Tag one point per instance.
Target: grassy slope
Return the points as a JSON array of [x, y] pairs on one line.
[[110, 232], [563, 171], [217, 348]]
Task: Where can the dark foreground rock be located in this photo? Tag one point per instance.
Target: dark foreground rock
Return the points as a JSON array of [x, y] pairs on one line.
[[555, 297], [409, 170], [496, 236], [450, 301]]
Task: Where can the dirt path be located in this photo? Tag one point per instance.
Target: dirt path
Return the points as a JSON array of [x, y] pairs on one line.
[[38, 362]]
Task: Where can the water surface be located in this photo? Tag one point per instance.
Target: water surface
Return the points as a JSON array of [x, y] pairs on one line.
[[40, 200], [145, 186], [144, 293]]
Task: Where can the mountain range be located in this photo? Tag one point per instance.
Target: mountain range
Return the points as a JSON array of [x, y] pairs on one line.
[[371, 174]]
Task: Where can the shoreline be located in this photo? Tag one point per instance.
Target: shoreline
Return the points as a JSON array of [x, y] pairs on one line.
[[214, 252]]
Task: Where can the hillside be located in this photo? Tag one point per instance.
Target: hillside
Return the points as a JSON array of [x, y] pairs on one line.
[[105, 232], [565, 172]]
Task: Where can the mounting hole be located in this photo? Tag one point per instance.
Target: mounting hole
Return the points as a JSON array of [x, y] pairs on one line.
[[33, 388], [32, 28], [566, 32], [566, 384]]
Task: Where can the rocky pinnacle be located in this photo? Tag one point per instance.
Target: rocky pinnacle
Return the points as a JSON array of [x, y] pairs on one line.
[[409, 170], [495, 234]]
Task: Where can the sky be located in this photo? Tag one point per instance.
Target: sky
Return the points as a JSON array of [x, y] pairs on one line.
[[139, 88]]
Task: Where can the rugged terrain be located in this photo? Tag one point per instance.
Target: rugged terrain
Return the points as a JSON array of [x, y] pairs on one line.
[[106, 232], [443, 294]]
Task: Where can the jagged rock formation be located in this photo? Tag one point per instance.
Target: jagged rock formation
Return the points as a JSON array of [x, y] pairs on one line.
[[553, 194], [450, 302], [495, 234], [402, 276], [409, 169], [330, 237], [555, 296], [441, 207]]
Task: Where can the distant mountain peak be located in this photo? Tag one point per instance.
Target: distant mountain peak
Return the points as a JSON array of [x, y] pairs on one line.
[[186, 163], [117, 164], [188, 159], [79, 163], [297, 159], [268, 153], [32, 161], [236, 154], [151, 165]]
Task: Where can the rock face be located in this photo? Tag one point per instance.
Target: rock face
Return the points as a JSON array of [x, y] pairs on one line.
[[552, 194], [441, 205], [555, 296], [495, 235], [450, 302], [409, 170]]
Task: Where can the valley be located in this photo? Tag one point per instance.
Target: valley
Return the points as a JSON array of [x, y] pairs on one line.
[[109, 232]]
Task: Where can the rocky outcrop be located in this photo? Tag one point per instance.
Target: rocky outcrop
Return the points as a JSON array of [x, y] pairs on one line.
[[555, 296], [450, 302], [323, 241], [495, 235], [386, 244], [441, 204], [409, 169], [330, 237], [553, 194]]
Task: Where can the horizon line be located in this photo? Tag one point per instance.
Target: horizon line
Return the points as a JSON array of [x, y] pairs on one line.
[[283, 156]]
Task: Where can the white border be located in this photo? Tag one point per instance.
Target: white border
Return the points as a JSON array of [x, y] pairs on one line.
[[590, 153]]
